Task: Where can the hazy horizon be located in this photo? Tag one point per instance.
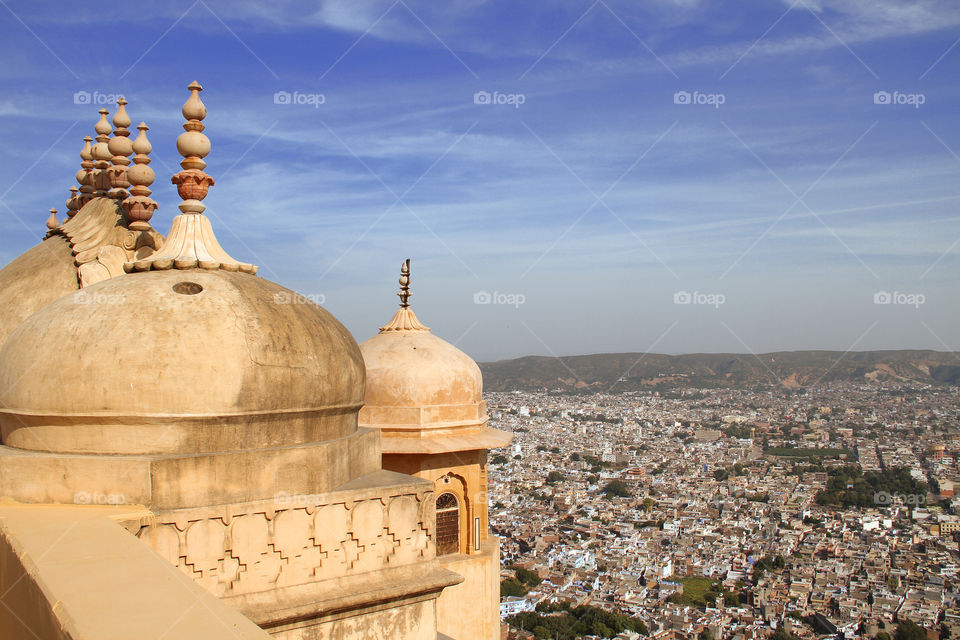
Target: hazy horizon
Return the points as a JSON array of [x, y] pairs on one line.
[[585, 177], [713, 353]]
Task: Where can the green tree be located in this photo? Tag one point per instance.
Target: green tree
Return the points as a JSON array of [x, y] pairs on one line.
[[512, 587], [908, 630], [616, 488], [706, 634], [781, 634], [554, 477], [526, 577]]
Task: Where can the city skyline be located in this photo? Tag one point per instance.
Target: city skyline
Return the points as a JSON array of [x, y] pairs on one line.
[[725, 178]]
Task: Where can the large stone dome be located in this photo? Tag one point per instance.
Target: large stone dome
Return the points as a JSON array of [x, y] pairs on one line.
[[35, 279], [414, 377], [177, 360], [75, 253]]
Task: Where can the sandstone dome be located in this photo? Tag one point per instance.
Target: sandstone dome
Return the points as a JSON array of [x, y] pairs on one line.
[[33, 280], [177, 360], [414, 377], [71, 254]]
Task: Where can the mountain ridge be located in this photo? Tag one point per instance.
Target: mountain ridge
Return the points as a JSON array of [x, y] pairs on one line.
[[789, 369]]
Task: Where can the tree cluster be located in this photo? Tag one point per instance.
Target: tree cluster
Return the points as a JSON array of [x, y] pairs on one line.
[[850, 487], [561, 622]]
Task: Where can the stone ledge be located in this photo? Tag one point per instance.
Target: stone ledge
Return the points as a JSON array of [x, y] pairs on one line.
[[69, 572], [346, 597]]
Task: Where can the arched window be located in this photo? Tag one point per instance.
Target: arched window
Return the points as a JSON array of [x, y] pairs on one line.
[[448, 524]]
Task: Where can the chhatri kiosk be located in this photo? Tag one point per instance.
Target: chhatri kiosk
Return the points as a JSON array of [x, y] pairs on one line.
[[181, 451]]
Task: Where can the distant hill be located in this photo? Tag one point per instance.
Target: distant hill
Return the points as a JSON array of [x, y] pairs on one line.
[[790, 369]]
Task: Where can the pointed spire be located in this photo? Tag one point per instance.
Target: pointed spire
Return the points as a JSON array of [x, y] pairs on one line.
[[73, 202], [101, 155], [191, 243], [404, 292], [139, 206], [85, 175], [404, 319], [52, 222], [121, 147]]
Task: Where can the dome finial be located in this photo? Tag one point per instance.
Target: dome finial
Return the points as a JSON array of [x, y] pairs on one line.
[[52, 222], [102, 155], [121, 147], [191, 243], [139, 206], [73, 202], [404, 319], [192, 183], [85, 174], [404, 292]]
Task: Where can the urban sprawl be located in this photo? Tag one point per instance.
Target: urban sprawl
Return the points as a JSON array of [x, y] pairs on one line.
[[719, 513]]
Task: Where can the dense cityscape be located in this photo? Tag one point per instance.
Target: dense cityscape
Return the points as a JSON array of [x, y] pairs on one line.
[[717, 513]]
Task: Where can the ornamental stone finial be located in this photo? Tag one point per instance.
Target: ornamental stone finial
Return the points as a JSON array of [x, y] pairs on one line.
[[192, 183], [101, 156], [404, 292], [120, 147], [139, 206], [85, 174], [191, 243], [73, 202]]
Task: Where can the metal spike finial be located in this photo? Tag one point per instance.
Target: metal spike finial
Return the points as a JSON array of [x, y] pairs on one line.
[[404, 292]]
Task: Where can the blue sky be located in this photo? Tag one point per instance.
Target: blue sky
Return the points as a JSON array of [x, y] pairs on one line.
[[736, 155]]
